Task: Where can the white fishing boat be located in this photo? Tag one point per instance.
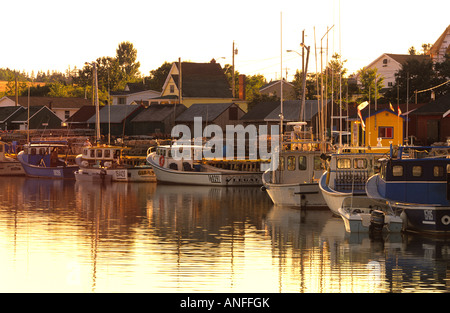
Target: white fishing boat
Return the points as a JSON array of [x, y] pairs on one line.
[[363, 214], [192, 169], [107, 163], [301, 164], [347, 175], [8, 165]]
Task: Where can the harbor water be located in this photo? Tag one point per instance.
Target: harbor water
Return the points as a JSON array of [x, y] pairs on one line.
[[67, 236]]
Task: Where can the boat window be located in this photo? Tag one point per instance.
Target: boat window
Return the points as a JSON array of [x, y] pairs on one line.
[[169, 153], [33, 151], [92, 153], [99, 153], [42, 151], [397, 170], [116, 154], [85, 151], [107, 153], [343, 163], [417, 171], [302, 163], [318, 164], [281, 165], [291, 163], [438, 171], [359, 163]]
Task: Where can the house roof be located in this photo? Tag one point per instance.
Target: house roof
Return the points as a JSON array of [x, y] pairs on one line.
[[260, 111], [203, 80], [132, 88], [82, 115], [6, 112], [403, 58], [436, 107], [114, 113], [207, 111], [276, 82], [291, 111], [23, 116], [437, 45], [158, 112], [54, 102]]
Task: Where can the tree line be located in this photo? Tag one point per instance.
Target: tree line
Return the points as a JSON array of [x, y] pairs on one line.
[[115, 72]]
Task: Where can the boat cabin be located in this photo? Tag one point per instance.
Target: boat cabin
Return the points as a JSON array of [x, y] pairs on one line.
[[420, 181], [45, 153], [101, 156], [350, 171], [188, 160]]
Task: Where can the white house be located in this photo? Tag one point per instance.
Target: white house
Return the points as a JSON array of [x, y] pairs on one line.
[[132, 94], [441, 47], [388, 65]]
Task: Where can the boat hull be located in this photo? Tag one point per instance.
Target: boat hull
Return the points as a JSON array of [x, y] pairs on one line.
[[11, 168], [360, 223], [96, 177], [135, 174], [332, 197], [210, 178], [296, 195]]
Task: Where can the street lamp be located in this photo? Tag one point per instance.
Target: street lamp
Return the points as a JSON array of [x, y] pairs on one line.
[[302, 109]]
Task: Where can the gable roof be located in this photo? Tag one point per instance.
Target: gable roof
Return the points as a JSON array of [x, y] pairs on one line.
[[436, 107], [276, 82], [291, 111], [202, 80], [260, 111], [82, 115], [115, 113], [53, 102], [435, 49], [132, 88], [6, 112], [158, 112], [23, 116], [207, 111]]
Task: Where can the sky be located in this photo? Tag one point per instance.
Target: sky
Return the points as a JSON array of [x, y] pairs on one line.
[[58, 35]]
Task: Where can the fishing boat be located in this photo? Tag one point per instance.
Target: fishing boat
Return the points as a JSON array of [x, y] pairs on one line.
[[9, 166], [105, 163], [295, 181], [346, 176], [363, 215], [416, 180], [191, 168], [42, 159]]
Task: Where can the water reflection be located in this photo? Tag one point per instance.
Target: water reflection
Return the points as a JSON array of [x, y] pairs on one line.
[[62, 236]]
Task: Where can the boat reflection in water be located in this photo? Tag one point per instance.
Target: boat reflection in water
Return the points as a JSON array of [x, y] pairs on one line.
[[66, 236]]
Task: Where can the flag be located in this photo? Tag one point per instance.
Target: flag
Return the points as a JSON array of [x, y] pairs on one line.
[[362, 121], [392, 108], [399, 111], [363, 105]]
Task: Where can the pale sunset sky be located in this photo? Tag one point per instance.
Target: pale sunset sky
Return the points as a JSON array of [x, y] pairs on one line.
[[55, 35]]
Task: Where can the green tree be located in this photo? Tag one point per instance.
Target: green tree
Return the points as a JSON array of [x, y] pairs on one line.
[[370, 89], [158, 77], [126, 56]]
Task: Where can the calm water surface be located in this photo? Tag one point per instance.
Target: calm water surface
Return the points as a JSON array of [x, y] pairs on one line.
[[60, 236]]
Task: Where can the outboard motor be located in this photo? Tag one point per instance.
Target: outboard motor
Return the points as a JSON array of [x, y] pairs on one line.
[[376, 221]]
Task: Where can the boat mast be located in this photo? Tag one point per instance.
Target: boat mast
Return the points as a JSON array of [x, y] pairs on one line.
[[97, 109]]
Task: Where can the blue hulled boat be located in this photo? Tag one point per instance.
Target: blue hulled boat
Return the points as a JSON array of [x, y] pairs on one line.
[[417, 183], [41, 159]]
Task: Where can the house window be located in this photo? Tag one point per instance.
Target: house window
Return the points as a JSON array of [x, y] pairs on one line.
[[385, 61], [386, 132], [233, 113], [122, 100], [172, 88], [66, 114], [390, 84]]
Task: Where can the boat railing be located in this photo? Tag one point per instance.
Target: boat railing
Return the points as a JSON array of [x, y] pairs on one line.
[[348, 180]]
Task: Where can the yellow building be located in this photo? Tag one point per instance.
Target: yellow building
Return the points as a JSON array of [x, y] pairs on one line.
[[378, 129]]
